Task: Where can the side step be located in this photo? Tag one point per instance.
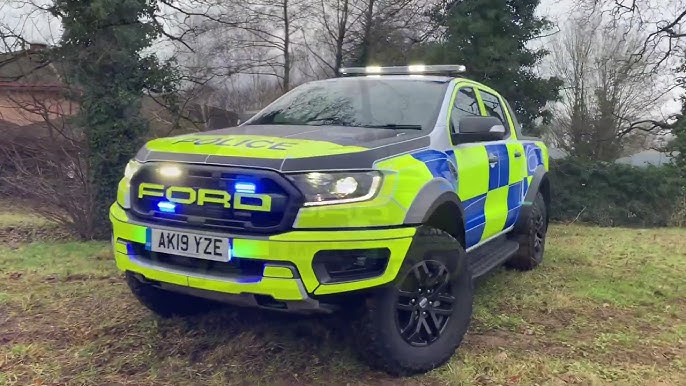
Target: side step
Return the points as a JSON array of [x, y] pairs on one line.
[[490, 255]]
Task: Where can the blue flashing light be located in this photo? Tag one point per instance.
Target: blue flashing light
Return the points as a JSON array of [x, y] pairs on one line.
[[229, 252], [244, 187], [166, 207]]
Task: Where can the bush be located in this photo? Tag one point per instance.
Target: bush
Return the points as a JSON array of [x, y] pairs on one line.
[[47, 168], [610, 194]]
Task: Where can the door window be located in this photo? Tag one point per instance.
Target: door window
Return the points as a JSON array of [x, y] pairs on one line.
[[465, 105], [494, 108]]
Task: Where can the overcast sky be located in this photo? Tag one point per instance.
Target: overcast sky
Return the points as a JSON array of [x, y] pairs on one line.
[[39, 27]]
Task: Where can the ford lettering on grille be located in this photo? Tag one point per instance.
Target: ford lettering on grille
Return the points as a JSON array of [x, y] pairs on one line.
[[208, 197], [190, 196]]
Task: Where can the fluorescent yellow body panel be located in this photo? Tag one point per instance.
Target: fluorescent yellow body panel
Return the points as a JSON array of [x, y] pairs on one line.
[[495, 210], [248, 146], [472, 171], [517, 164], [278, 272], [409, 177], [297, 248]]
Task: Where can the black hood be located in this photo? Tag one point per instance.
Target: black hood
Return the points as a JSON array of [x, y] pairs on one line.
[[287, 147]]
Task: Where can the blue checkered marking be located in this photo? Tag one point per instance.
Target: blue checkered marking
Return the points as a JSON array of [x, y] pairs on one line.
[[438, 164], [475, 219], [499, 174], [515, 195], [534, 157]]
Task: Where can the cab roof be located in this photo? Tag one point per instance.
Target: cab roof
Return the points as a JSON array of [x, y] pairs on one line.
[[418, 77]]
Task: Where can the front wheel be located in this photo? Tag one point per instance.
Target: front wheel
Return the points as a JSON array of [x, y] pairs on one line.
[[166, 303], [416, 324]]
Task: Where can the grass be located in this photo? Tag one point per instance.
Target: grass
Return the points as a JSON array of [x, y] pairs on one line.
[[608, 306], [15, 213]]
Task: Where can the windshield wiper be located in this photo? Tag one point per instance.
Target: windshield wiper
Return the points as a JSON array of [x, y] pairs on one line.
[[324, 122], [394, 126], [338, 122]]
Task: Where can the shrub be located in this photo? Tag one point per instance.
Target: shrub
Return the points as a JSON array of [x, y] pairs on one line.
[[611, 194]]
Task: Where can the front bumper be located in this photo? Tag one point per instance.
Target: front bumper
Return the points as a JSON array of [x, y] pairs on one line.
[[288, 275]]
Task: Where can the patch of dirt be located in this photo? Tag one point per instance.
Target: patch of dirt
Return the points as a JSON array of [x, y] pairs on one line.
[[502, 339], [14, 236], [84, 277], [9, 328]]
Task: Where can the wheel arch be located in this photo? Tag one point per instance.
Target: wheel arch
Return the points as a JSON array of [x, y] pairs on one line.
[[438, 205], [539, 183]]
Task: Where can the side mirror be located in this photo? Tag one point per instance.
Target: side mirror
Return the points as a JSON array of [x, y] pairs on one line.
[[478, 129]]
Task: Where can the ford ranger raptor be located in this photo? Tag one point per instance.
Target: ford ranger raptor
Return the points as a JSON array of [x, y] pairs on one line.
[[393, 186]]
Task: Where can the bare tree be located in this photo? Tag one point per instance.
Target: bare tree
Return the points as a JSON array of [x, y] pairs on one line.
[[610, 97], [331, 44], [663, 21], [47, 163], [389, 29]]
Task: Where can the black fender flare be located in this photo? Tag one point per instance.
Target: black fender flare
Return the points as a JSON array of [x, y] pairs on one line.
[[430, 197], [539, 179]]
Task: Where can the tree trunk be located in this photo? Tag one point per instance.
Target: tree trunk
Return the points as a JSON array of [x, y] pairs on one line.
[[286, 49], [366, 38], [342, 27]]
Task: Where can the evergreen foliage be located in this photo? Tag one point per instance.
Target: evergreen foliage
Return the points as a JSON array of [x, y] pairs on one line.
[[103, 49]]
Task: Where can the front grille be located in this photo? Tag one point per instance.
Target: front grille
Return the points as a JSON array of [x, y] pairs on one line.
[[285, 199]]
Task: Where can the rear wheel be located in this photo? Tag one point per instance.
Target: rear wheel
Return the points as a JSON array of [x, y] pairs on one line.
[[532, 241], [166, 303], [416, 324]]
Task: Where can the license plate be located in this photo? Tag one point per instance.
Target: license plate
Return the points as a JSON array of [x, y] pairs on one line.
[[189, 244]]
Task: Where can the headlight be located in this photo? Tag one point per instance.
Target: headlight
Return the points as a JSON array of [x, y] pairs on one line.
[[123, 190], [131, 168], [337, 187]]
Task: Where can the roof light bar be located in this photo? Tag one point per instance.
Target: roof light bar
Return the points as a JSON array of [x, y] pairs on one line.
[[414, 69]]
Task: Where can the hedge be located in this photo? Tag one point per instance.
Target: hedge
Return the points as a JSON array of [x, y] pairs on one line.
[[611, 194]]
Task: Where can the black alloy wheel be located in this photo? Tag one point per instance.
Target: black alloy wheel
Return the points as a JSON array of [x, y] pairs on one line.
[[425, 303]]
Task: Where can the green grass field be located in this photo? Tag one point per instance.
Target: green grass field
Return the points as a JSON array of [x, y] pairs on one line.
[[608, 306]]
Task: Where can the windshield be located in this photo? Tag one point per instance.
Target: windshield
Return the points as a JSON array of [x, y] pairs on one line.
[[359, 102]]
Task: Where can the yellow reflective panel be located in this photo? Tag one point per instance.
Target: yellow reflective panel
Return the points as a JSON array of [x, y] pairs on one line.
[[495, 210], [517, 164], [249, 146], [276, 271], [411, 175], [472, 170]]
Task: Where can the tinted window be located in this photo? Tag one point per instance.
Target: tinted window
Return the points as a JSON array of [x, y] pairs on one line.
[[360, 102], [515, 121], [465, 105], [493, 107]]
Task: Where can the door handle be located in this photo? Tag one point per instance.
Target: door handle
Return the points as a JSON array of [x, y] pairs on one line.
[[517, 154], [493, 159]]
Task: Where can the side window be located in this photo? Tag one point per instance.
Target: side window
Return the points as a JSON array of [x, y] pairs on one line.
[[465, 105], [515, 121], [493, 107]]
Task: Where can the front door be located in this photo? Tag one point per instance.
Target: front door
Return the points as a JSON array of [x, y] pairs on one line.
[[472, 165]]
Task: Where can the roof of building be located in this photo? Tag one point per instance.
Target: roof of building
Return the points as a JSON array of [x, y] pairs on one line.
[[28, 68]]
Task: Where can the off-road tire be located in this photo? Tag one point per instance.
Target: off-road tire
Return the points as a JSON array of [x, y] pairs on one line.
[[167, 304], [381, 342], [532, 240]]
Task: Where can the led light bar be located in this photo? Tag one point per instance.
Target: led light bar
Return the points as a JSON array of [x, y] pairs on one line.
[[414, 69]]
